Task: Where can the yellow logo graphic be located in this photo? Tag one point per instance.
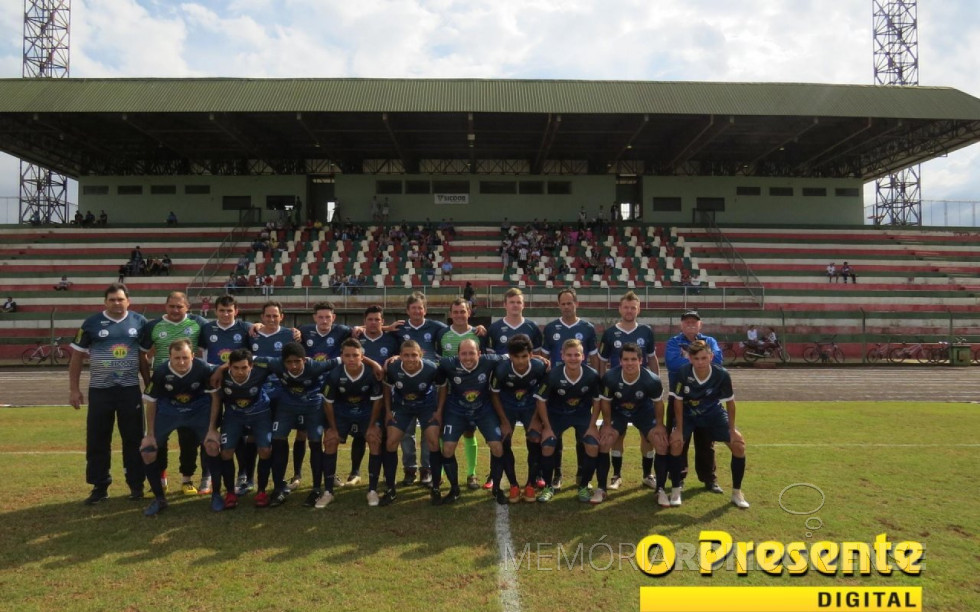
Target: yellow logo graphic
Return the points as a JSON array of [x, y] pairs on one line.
[[520, 394], [573, 401], [471, 396], [243, 403], [182, 398], [119, 351], [223, 355]]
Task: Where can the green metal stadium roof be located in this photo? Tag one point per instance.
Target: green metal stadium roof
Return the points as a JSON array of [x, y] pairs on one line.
[[171, 126]]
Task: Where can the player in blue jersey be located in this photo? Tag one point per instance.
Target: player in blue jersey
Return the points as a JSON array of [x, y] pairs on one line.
[[568, 326], [300, 407], [352, 405], [699, 390], [512, 324], [111, 341], [630, 394], [179, 395], [464, 403], [241, 402], [512, 385], [628, 329], [225, 334], [155, 339], [424, 331], [409, 396], [379, 344], [569, 398], [675, 358], [322, 340]]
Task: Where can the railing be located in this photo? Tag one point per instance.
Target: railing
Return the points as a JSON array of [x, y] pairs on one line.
[[226, 248], [735, 260]]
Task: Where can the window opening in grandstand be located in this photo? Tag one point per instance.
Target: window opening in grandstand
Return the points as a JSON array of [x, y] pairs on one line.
[[666, 204], [331, 210]]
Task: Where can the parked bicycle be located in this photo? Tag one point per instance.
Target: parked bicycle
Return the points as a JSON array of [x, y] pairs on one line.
[[879, 352], [916, 350], [823, 351], [42, 352], [729, 351], [766, 350]]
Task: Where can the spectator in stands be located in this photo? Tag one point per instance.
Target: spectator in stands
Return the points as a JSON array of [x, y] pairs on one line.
[[36, 218], [79, 218], [845, 271], [10, 305], [205, 306], [89, 219], [64, 284], [268, 286], [385, 211], [103, 218], [172, 218], [610, 263], [447, 270], [613, 213], [505, 226], [752, 338], [771, 339], [468, 293], [231, 285], [831, 272]]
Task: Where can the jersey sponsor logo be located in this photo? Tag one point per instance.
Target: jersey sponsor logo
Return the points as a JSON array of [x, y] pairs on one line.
[[320, 357], [471, 396], [309, 342], [503, 339], [520, 393], [213, 338], [557, 336], [162, 334], [119, 351], [182, 398], [132, 332], [223, 355], [103, 333], [573, 401], [237, 338], [243, 403], [627, 406]]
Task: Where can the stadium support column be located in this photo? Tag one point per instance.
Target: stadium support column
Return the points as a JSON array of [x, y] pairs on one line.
[[898, 197], [44, 193]]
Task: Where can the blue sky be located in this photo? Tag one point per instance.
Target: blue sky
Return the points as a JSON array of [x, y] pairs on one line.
[[711, 40]]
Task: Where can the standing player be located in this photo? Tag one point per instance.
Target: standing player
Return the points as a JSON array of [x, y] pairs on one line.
[[631, 394], [225, 334], [698, 394], [352, 404], [379, 345], [569, 398], [675, 357], [513, 384], [179, 395], [464, 403], [155, 339], [111, 340], [447, 345], [424, 331], [628, 329], [409, 397], [241, 402]]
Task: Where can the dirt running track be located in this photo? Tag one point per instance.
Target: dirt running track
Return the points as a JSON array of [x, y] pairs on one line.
[[42, 387]]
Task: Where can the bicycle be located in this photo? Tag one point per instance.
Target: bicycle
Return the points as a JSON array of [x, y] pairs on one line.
[[879, 352], [729, 352], [916, 351], [823, 351], [40, 353]]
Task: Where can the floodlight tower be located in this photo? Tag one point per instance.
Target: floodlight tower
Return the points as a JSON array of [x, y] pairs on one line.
[[898, 197], [43, 193]]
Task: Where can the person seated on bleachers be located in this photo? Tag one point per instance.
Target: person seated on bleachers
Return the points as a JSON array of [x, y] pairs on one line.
[[231, 285], [338, 285], [36, 218], [153, 267], [79, 218], [610, 263], [172, 218], [268, 286], [353, 283], [10, 305], [447, 270], [103, 218], [89, 219], [845, 271], [64, 284], [831, 272], [165, 264]]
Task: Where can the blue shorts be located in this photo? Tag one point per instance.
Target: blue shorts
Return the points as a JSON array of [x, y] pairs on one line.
[[715, 420], [454, 424], [353, 426], [644, 420], [522, 415], [169, 418], [561, 422], [403, 418], [310, 420], [235, 422]]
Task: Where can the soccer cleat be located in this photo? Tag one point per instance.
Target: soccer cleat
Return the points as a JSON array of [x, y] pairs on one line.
[[135, 493], [675, 496], [556, 484], [662, 500], [205, 488], [231, 501], [97, 496], [426, 478], [163, 480], [584, 494], [546, 495], [310, 500], [650, 481], [473, 483], [353, 479], [387, 498], [435, 497], [187, 488], [738, 499], [244, 487], [324, 500], [529, 493], [450, 498], [410, 477], [515, 494], [294, 483], [615, 482], [714, 487], [488, 485], [217, 502], [598, 497], [278, 498], [500, 496], [539, 482], [156, 506], [262, 500], [373, 499]]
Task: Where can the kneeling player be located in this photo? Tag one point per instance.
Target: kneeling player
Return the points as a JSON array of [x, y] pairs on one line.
[[631, 393], [698, 393], [178, 396], [352, 405]]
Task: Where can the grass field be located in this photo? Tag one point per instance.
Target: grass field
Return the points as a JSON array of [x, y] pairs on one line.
[[908, 470]]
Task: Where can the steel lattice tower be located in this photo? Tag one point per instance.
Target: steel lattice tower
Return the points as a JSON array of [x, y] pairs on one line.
[[898, 197], [44, 193]]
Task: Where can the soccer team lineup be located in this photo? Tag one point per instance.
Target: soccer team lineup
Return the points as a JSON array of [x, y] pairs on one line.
[[234, 392]]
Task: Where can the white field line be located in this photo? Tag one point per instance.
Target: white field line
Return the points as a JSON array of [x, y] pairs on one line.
[[510, 596]]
